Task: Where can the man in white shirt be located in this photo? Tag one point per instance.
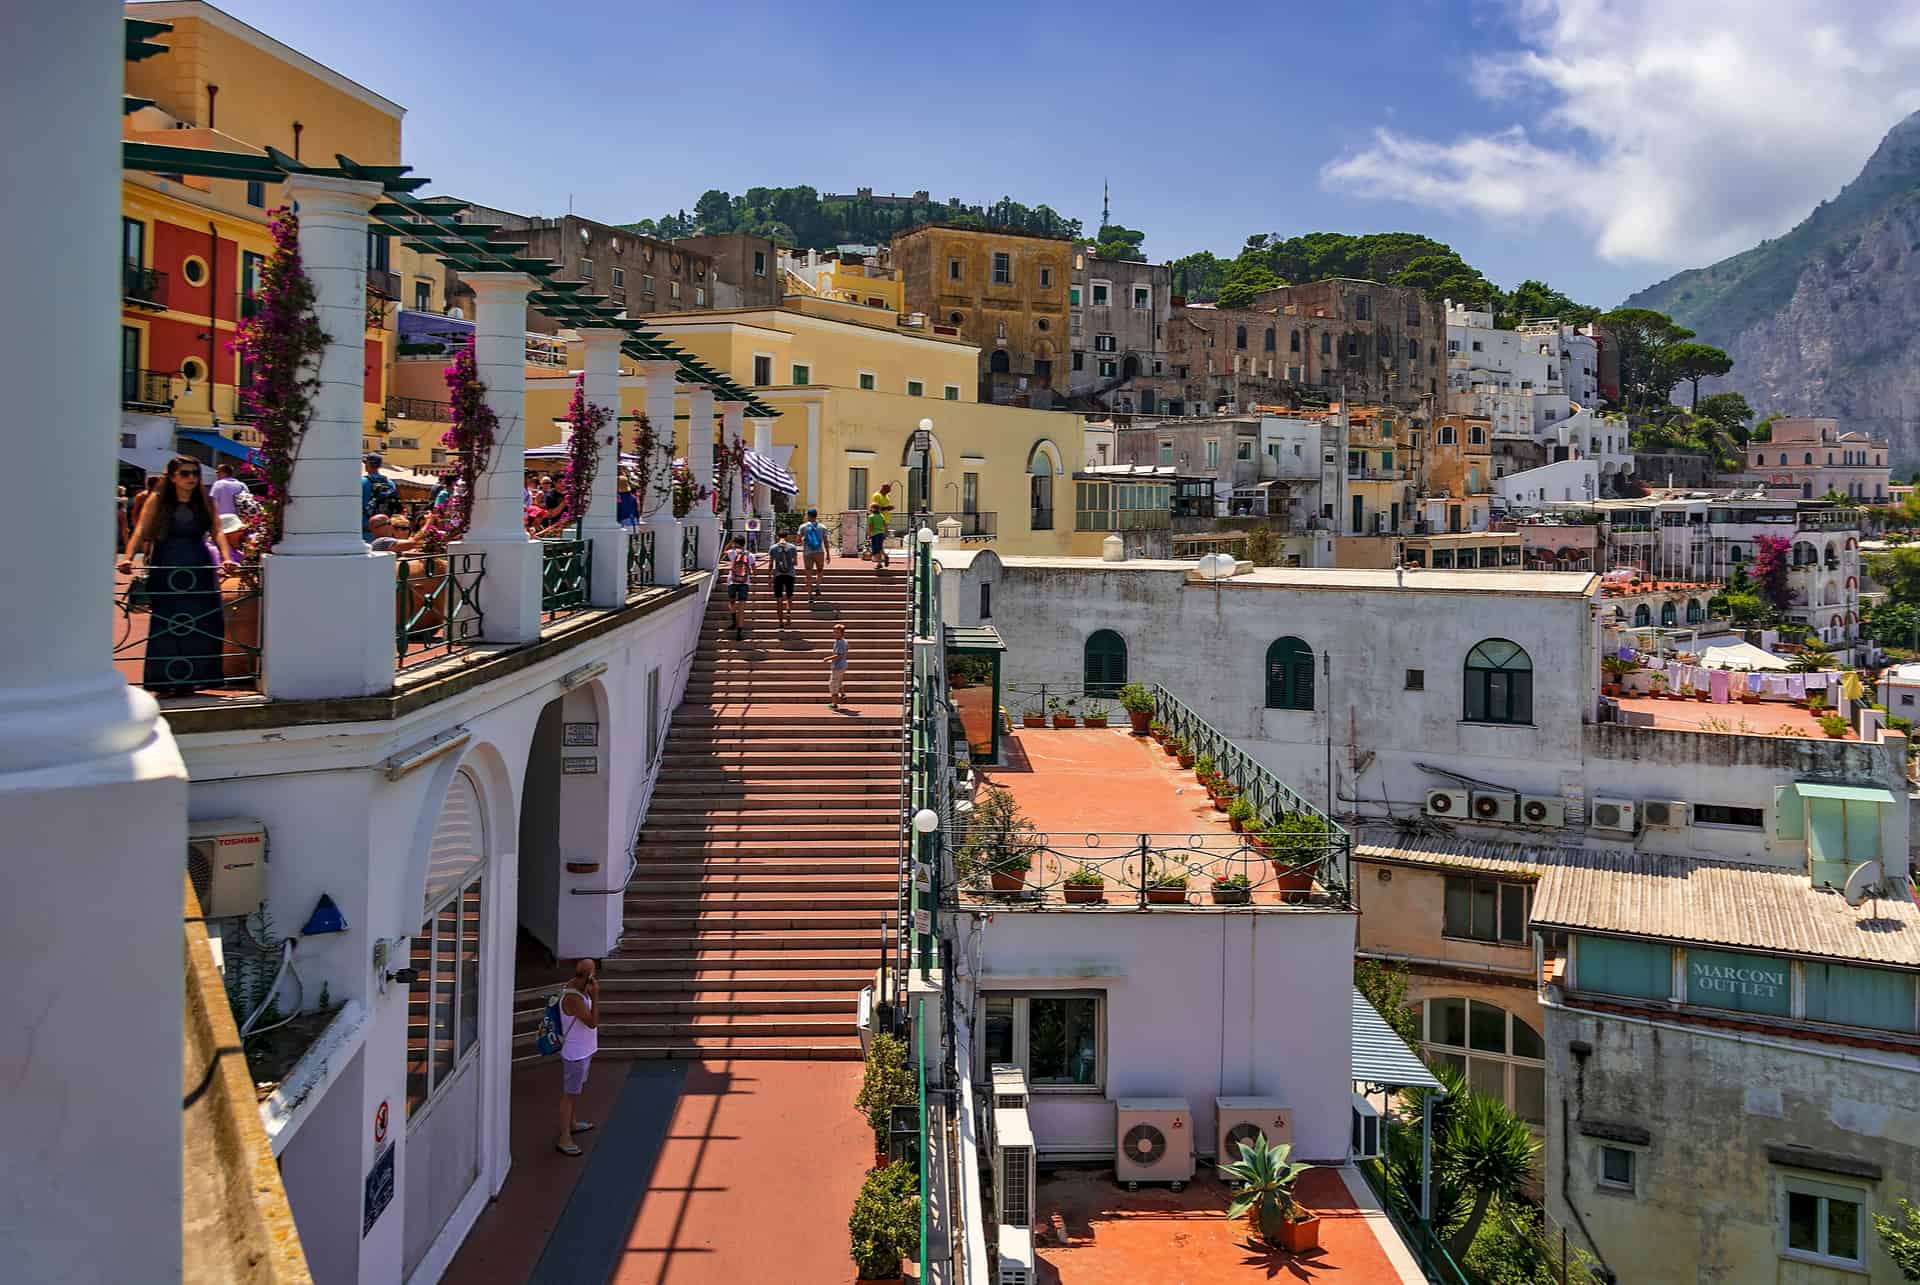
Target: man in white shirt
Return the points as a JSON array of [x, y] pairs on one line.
[[226, 491]]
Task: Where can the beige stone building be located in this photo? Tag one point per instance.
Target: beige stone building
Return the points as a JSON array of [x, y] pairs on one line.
[[1005, 292]]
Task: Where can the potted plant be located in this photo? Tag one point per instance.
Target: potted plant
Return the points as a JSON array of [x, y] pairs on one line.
[[1203, 770], [1265, 1175], [1000, 840], [1171, 743], [1239, 815], [1033, 718], [1096, 714], [887, 1083], [1657, 685], [1156, 729], [1138, 702], [1833, 725], [1295, 845], [1816, 702], [1164, 886], [1224, 792], [885, 1224], [1182, 751], [1616, 668], [1232, 889], [1062, 711], [1085, 885]]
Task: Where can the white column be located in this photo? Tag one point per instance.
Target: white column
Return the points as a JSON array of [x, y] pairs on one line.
[[813, 455], [93, 796], [510, 586], [700, 466], [328, 610], [656, 508], [763, 447], [730, 437], [608, 582]]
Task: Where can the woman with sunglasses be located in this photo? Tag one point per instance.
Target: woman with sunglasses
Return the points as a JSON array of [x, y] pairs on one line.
[[186, 635]]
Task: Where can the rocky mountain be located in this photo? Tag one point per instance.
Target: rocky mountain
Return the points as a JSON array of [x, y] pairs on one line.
[[1825, 320]]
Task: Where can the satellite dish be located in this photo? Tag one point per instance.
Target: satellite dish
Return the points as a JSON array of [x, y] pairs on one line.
[[1862, 882]]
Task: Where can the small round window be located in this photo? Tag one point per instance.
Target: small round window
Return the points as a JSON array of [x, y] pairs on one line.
[[1040, 323], [194, 269], [194, 369]]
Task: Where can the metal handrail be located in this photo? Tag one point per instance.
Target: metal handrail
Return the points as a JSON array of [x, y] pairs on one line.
[[210, 627], [689, 549], [565, 572], [1151, 869], [1270, 797], [437, 607], [419, 408], [640, 554], [146, 388], [143, 284]]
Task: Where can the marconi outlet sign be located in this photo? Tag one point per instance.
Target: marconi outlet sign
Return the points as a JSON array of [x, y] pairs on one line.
[[1747, 983]]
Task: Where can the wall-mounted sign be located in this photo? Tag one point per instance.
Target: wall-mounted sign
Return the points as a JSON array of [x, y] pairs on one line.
[[923, 921], [572, 734], [922, 440], [379, 1190], [580, 765], [1744, 983], [380, 1123]]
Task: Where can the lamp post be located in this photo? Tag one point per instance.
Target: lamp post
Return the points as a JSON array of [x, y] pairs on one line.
[[925, 442]]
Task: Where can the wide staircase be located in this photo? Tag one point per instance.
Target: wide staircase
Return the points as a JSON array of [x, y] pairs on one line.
[[765, 879]]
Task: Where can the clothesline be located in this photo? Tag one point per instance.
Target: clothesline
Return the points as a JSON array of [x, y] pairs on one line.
[[1719, 683]]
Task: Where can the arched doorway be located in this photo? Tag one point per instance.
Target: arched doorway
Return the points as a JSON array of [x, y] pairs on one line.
[[1130, 367], [563, 817], [1104, 667], [999, 363], [443, 1023], [1040, 473]]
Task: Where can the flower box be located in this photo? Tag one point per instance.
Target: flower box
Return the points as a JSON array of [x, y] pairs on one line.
[[1096, 720], [1065, 720], [1082, 894], [1167, 896], [1007, 880], [1033, 720]]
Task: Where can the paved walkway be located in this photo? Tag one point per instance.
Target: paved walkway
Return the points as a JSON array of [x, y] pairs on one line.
[[1078, 779], [699, 1173]]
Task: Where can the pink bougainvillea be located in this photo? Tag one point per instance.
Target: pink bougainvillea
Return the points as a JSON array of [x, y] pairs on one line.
[[280, 344], [1769, 575], [470, 438], [589, 420]]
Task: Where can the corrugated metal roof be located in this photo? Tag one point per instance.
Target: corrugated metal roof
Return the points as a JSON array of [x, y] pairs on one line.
[[973, 638], [1713, 903], [1380, 1056], [1459, 854]]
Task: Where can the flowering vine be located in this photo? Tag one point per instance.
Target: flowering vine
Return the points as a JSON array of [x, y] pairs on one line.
[[686, 491], [589, 420], [470, 438], [281, 343], [646, 448], [733, 469]]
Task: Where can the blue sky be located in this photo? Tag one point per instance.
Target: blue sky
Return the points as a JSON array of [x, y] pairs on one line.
[[1597, 144]]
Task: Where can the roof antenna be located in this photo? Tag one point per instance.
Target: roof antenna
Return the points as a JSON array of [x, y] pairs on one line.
[[1106, 205]]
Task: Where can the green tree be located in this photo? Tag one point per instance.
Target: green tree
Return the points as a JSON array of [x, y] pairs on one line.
[[1639, 336], [1263, 546], [1385, 986], [1116, 242], [1489, 1153], [1689, 363], [1246, 279], [1901, 1238], [1198, 276], [1898, 572], [1730, 411], [1893, 624], [1538, 299]]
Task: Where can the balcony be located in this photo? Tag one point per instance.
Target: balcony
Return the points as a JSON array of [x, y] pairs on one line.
[[143, 287], [147, 390], [384, 283], [419, 408], [974, 525]]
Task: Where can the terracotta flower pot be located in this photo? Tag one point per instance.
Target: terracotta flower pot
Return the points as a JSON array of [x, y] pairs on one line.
[[1231, 896], [1065, 720], [1080, 894], [1033, 720], [1301, 1235], [1609, 689], [1138, 720], [1167, 896], [1236, 824], [1186, 760], [1007, 880], [1096, 720], [1288, 880]]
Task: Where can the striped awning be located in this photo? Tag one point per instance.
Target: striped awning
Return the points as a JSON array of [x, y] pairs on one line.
[[770, 475]]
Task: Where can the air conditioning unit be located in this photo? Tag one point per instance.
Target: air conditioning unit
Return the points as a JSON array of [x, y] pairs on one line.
[[1016, 1255], [1614, 814], [1014, 1176], [1495, 807], [1368, 1138], [1446, 803], [1238, 1120], [1666, 814], [227, 861], [1009, 1086], [1153, 1141], [1543, 809]]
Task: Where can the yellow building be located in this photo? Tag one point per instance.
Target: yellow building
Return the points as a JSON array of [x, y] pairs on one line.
[[852, 385], [867, 284]]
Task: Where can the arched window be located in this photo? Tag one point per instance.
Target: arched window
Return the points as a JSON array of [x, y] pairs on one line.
[[1642, 617], [1695, 613], [1105, 667], [1783, 457], [1668, 616], [1293, 342], [1289, 675], [1239, 336], [1809, 458], [1499, 683], [999, 363], [1269, 339], [1413, 350], [1502, 1056]]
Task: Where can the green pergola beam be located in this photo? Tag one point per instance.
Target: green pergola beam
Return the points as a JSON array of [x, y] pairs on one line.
[[139, 38]]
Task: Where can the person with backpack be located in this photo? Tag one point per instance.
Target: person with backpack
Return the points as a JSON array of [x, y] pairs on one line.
[[377, 494], [815, 546], [579, 1040], [739, 581], [780, 561]]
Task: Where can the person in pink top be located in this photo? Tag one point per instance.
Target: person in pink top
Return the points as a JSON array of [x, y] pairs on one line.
[[580, 1027]]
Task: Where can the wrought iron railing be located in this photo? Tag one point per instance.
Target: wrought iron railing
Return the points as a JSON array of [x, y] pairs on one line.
[[419, 408], [1025, 700], [689, 549], [184, 629], [1416, 1232], [437, 605], [639, 560], [1033, 870], [150, 389], [143, 285], [973, 525], [1270, 797], [383, 282], [565, 573]]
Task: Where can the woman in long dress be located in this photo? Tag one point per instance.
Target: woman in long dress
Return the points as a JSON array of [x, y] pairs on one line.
[[186, 635]]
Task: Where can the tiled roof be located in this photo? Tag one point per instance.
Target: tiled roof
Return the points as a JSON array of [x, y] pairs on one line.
[[1459, 854], [1713, 903]]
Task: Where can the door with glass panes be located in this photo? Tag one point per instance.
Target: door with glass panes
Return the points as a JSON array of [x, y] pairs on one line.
[[443, 1025]]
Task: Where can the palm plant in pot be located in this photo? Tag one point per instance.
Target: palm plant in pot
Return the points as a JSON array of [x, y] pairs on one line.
[[1266, 1174], [885, 1224], [1000, 840], [1138, 702], [1086, 884], [1616, 668]]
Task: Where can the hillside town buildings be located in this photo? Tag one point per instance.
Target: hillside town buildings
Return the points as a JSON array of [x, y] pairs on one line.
[[1005, 292], [1815, 457], [1118, 332]]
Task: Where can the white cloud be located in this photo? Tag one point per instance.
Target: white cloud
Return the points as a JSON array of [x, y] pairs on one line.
[[1669, 133]]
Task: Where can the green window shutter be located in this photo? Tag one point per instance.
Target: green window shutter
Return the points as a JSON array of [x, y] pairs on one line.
[[1827, 840], [1863, 830], [1612, 966], [1875, 997], [1788, 823]]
